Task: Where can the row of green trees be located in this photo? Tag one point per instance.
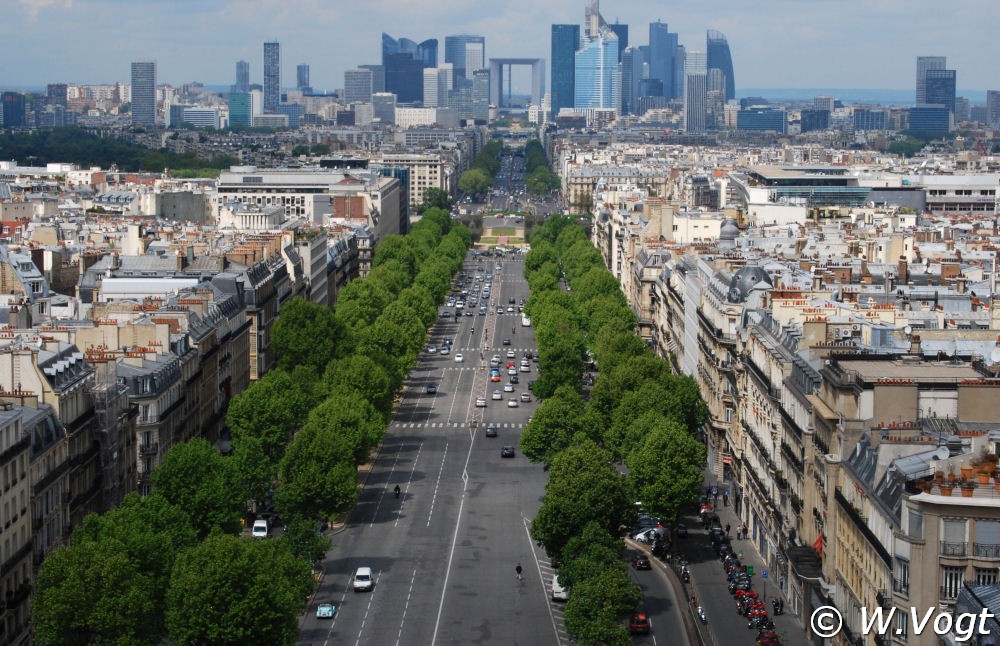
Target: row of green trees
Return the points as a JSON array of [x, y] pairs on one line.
[[77, 146], [173, 565], [538, 178], [483, 169], [638, 414]]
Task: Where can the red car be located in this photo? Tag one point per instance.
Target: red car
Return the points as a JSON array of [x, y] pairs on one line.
[[641, 563], [639, 624]]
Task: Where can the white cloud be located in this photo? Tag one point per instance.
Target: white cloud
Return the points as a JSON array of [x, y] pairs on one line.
[[32, 7]]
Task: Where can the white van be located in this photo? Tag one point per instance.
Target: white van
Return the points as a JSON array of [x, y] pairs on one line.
[[559, 593], [259, 529], [363, 580]]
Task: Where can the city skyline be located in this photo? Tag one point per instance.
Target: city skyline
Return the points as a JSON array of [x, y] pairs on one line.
[[834, 46]]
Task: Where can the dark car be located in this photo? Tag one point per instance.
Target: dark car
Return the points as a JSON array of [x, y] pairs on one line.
[[641, 562], [507, 451], [491, 430], [639, 624], [432, 389], [506, 341], [513, 379]]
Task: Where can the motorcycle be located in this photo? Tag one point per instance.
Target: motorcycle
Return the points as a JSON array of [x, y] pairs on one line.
[[685, 575], [701, 615]]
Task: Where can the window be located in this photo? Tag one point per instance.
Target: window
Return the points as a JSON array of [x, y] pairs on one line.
[[953, 537], [986, 576], [902, 626], [916, 524], [901, 576], [987, 538], [952, 578]]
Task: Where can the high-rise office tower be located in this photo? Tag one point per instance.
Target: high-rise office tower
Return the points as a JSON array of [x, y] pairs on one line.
[[632, 65], [242, 77], [466, 53], [993, 107], [384, 107], [565, 42], [597, 75], [12, 110], [435, 87], [680, 59], [621, 30], [302, 76], [358, 86], [272, 76], [56, 94], [241, 109], [481, 95], [939, 88], [404, 61], [144, 93], [662, 58], [720, 58], [925, 63], [378, 76], [695, 90]]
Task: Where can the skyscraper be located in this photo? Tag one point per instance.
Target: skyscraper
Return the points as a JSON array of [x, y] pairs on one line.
[[662, 57], [56, 94], [597, 75], [358, 86], [467, 54], [12, 110], [939, 88], [272, 76], [993, 107], [240, 109], [435, 87], [144, 93], [632, 64], [242, 77], [695, 90], [565, 41], [302, 76], [621, 30], [378, 76], [404, 61], [925, 63], [720, 58]]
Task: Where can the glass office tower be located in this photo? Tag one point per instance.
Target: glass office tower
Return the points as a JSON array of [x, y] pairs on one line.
[[565, 41]]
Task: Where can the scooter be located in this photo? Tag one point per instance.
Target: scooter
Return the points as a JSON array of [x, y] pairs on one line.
[[685, 576], [701, 615]]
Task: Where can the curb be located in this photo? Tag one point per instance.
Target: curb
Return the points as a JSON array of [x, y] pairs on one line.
[[694, 635]]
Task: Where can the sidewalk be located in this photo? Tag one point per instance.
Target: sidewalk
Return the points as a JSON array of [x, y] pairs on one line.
[[787, 625]]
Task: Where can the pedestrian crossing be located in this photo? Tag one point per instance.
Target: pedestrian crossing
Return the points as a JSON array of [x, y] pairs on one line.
[[465, 424]]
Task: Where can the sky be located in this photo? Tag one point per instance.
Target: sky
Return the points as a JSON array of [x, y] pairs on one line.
[[774, 43]]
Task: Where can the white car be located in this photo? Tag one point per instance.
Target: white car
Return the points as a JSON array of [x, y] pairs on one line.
[[459, 358], [444, 350], [508, 388], [497, 394], [512, 403], [259, 529], [510, 354], [480, 402], [432, 349], [363, 580], [510, 309]]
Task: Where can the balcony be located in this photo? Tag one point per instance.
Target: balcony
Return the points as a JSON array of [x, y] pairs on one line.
[[950, 593], [901, 587], [954, 549], [149, 448], [986, 550]]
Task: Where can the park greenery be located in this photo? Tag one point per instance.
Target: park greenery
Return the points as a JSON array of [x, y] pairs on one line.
[[174, 566], [77, 146], [637, 414], [482, 170]]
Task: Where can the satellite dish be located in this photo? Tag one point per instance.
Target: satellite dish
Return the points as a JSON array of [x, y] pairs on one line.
[[942, 453], [995, 355]]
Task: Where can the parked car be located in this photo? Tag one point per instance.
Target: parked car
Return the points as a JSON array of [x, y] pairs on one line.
[[363, 580], [259, 528], [559, 591], [682, 530]]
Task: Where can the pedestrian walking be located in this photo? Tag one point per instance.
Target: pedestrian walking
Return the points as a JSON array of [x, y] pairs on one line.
[[725, 499], [746, 532], [518, 569], [727, 529]]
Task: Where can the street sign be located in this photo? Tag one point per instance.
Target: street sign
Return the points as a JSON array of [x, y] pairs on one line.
[[763, 574]]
